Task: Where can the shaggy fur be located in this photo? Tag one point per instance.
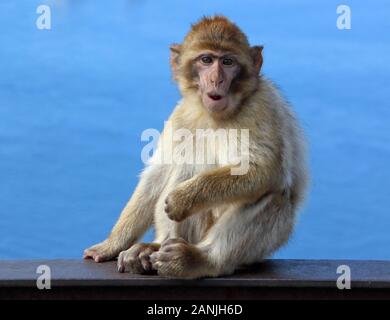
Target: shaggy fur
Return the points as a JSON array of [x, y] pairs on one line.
[[209, 222]]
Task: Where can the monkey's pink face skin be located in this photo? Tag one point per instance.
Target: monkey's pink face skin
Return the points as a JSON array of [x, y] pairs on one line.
[[216, 71]]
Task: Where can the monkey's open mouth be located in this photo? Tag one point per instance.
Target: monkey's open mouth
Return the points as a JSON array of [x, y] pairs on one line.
[[215, 97], [214, 102]]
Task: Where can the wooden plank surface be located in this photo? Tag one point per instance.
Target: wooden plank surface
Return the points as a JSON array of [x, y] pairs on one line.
[[271, 279]]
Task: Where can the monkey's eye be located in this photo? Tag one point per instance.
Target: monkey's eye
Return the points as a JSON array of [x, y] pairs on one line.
[[206, 59], [227, 61]]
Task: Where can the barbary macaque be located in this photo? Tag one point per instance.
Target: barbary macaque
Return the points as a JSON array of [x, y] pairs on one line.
[[209, 221]]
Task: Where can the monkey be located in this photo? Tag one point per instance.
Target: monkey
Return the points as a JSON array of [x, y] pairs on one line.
[[209, 222]]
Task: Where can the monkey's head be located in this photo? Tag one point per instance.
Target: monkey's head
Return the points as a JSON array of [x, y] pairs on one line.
[[216, 63]]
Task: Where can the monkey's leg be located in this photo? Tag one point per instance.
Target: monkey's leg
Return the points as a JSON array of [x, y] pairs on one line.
[[241, 236], [137, 258], [249, 234], [135, 218]]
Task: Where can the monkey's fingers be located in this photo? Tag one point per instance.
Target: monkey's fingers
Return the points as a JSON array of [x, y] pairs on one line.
[[167, 208], [91, 254], [98, 254], [86, 255]]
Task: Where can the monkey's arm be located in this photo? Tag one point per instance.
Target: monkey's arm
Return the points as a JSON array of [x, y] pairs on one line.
[[135, 218], [217, 186]]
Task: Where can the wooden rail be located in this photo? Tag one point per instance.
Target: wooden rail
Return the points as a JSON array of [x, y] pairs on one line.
[[272, 279]]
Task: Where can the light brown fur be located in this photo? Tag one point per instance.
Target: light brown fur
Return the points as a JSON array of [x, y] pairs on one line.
[[209, 222]]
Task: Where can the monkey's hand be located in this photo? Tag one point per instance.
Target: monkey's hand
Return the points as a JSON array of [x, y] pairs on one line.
[[178, 204], [104, 251], [179, 259]]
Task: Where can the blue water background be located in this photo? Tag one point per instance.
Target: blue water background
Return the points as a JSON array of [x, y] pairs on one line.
[[74, 101]]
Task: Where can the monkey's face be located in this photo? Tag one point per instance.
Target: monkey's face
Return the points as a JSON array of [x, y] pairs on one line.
[[215, 72], [216, 64]]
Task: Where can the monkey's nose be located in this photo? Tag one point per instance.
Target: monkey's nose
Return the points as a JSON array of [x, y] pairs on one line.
[[217, 81]]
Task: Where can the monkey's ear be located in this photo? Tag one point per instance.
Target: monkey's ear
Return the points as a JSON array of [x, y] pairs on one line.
[[257, 56], [174, 59]]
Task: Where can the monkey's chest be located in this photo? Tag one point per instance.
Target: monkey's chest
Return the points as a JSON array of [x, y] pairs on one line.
[[204, 150]]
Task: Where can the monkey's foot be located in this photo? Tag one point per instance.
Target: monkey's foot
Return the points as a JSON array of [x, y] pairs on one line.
[[100, 252], [137, 258], [179, 259]]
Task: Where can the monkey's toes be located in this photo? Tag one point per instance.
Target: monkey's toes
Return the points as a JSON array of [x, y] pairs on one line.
[[167, 264], [137, 259], [129, 262]]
